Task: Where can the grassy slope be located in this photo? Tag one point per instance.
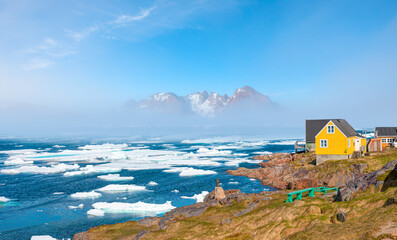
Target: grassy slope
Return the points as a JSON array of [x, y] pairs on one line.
[[311, 218]]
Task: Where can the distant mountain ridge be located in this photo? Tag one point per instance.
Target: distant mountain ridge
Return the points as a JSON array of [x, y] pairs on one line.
[[204, 104]]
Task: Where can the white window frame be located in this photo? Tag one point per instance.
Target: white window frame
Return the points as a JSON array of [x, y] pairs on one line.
[[348, 143], [330, 127], [323, 143]]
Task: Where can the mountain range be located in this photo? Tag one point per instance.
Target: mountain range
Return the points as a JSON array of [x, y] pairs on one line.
[[207, 105]]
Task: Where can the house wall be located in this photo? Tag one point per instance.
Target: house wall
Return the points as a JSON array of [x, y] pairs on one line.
[[337, 142], [320, 158], [375, 145], [364, 144], [386, 144]]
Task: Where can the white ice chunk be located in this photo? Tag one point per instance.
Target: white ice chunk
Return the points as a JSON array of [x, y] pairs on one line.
[[92, 169], [96, 212], [58, 146], [175, 191], [212, 152], [42, 237], [58, 168], [105, 146], [151, 183], [4, 199], [263, 152], [91, 194], [184, 171], [75, 207], [199, 197], [121, 188], [139, 207], [16, 161], [115, 177], [233, 182]]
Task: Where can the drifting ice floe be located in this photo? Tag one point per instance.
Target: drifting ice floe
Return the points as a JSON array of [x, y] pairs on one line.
[[121, 188], [233, 182], [96, 212], [286, 142], [175, 191], [4, 199], [151, 183], [58, 168], [16, 161], [212, 152], [92, 169], [262, 153], [139, 207], [184, 171], [115, 177], [58, 146], [42, 237], [91, 194], [75, 207], [199, 197]]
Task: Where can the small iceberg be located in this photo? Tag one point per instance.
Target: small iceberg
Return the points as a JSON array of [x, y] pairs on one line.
[[139, 207], [121, 188], [199, 197], [151, 183], [75, 207], [115, 177], [91, 194]]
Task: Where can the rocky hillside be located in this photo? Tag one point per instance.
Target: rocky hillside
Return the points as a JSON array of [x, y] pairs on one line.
[[296, 171], [365, 207], [205, 104]]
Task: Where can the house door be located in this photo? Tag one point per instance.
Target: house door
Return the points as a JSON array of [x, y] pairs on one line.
[[357, 144]]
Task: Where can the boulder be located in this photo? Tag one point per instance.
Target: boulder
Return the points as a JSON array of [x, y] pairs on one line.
[[149, 221], [219, 193], [341, 217], [140, 235], [351, 187], [225, 221]]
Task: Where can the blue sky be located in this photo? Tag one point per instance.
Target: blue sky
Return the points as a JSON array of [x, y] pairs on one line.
[[327, 58]]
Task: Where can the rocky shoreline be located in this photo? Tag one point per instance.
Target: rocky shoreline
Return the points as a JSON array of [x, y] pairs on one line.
[[296, 171], [365, 202]]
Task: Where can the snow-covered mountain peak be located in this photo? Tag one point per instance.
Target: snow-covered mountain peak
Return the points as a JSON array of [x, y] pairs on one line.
[[202, 103]]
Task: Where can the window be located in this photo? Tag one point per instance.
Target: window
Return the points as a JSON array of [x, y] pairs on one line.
[[348, 143], [383, 140], [331, 129], [323, 143]]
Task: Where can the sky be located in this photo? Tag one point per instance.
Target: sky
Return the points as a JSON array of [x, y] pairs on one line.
[[66, 64]]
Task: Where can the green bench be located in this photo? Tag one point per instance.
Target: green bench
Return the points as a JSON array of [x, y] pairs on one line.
[[311, 192]]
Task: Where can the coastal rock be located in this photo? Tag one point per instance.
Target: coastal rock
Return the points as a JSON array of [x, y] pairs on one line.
[[341, 217], [140, 235], [225, 221], [183, 212], [346, 192], [219, 193], [279, 172], [149, 221]]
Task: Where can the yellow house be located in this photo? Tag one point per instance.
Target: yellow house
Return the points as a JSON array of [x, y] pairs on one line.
[[335, 139]]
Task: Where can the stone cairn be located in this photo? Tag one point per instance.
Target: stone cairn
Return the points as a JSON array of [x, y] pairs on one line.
[[219, 192]]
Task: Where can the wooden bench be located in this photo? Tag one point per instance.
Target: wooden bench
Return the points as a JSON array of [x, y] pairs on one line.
[[311, 192]]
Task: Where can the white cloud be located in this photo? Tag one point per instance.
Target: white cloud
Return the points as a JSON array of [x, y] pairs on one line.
[[78, 36], [37, 63], [123, 19]]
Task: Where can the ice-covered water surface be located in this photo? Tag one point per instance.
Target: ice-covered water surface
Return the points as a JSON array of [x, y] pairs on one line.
[[60, 188]]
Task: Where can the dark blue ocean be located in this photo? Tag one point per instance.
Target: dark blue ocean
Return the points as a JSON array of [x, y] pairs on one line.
[[38, 178]]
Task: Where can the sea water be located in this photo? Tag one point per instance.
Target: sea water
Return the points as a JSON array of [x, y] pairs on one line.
[[59, 188]]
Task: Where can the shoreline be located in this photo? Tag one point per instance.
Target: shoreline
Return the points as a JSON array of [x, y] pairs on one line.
[[241, 205]]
